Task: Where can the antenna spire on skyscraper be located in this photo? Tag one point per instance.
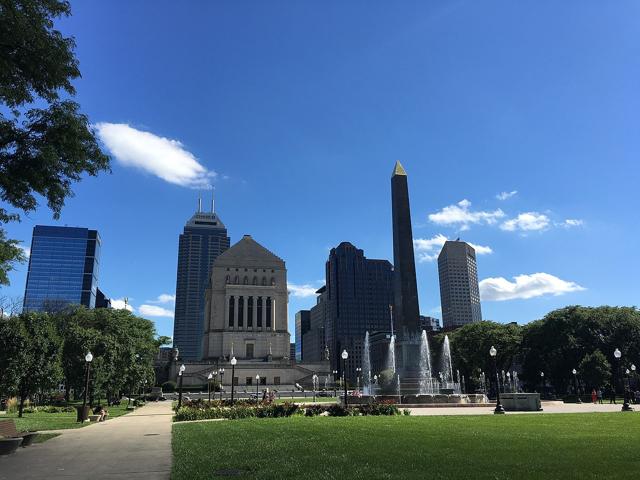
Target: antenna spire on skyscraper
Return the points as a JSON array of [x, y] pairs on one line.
[[199, 203], [213, 199]]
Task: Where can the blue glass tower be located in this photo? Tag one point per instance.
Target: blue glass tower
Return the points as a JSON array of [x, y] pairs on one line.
[[63, 268], [203, 239]]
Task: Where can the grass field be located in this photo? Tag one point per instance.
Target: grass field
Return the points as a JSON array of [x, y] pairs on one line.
[[43, 437], [551, 446], [55, 421]]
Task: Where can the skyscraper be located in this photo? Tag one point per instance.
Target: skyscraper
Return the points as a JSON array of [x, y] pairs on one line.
[[358, 294], [459, 293], [406, 313], [63, 268], [302, 327], [204, 238]]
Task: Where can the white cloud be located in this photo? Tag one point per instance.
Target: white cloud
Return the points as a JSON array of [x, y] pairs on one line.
[[506, 195], [25, 250], [428, 249], [155, 311], [528, 221], [572, 222], [120, 304], [480, 249], [164, 298], [302, 291], [160, 156], [461, 215], [525, 286]]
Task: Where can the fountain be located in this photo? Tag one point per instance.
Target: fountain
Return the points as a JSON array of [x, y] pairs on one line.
[[391, 358], [426, 380], [366, 367], [446, 366]]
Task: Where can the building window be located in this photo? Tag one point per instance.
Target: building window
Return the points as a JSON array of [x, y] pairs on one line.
[[276, 380], [259, 312], [264, 281], [273, 281], [235, 381], [250, 312], [248, 381], [240, 312], [269, 312], [255, 280], [263, 380], [245, 281], [249, 350], [228, 279], [231, 309]]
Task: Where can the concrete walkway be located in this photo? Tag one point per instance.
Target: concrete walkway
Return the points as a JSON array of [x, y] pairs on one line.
[[548, 407], [133, 446]]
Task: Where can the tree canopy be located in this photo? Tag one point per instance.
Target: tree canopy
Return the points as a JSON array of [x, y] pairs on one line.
[[46, 144]]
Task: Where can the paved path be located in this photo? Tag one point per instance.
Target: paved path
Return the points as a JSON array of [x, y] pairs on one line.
[[548, 407], [134, 446]]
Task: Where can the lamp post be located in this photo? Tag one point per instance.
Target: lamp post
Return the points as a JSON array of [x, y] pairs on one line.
[[499, 408], [626, 407], [345, 355], [221, 374], [358, 371], [575, 384], [509, 381], [209, 385], [375, 382], [88, 358], [335, 385], [180, 375], [257, 386], [233, 375], [314, 379], [633, 375], [542, 385]]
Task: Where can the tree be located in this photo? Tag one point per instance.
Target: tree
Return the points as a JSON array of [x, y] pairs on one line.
[[595, 370], [471, 343], [43, 150], [29, 355], [560, 341]]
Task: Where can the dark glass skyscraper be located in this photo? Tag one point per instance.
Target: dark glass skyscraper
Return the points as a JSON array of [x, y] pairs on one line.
[[302, 327], [63, 268], [459, 293], [204, 238], [358, 294]]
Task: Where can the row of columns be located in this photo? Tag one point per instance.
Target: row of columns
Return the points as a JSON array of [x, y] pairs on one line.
[[237, 313]]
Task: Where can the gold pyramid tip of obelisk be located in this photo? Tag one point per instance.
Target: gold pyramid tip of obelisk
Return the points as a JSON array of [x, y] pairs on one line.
[[398, 169]]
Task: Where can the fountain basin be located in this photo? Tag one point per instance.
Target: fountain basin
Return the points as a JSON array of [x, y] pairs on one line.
[[425, 400]]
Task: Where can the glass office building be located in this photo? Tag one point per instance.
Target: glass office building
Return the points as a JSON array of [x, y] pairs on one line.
[[203, 239], [63, 268]]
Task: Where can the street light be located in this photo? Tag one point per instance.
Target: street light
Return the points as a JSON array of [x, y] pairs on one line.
[[509, 381], [575, 383], [542, 388], [209, 385], [345, 355], [221, 373], [180, 375], [335, 384], [233, 375], [358, 370], [88, 358], [314, 379], [499, 408], [257, 386], [627, 394]]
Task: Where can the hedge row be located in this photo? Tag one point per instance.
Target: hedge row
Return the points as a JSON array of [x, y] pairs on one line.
[[190, 412]]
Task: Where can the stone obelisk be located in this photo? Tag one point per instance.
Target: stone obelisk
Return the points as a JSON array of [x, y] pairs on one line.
[[406, 311]]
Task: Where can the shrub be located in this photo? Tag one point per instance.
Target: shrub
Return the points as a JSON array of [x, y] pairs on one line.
[[337, 410], [169, 387], [315, 410], [138, 403], [406, 412], [379, 409]]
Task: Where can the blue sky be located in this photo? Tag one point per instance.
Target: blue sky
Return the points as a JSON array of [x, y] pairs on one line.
[[296, 111]]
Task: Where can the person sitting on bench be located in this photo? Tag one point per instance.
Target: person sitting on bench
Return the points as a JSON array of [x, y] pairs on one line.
[[100, 410]]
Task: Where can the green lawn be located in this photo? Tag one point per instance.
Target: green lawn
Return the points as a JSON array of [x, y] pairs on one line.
[[540, 446], [43, 437], [56, 421]]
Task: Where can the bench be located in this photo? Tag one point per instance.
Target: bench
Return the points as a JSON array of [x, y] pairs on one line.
[[8, 430], [94, 418]]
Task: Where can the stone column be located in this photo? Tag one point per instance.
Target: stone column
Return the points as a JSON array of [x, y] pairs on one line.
[[264, 313], [235, 311]]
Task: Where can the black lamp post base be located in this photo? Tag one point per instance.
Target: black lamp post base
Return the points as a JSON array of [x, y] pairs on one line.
[[499, 410]]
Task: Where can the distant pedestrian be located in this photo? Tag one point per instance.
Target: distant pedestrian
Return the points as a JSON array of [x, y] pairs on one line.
[[600, 396], [612, 395], [594, 396]]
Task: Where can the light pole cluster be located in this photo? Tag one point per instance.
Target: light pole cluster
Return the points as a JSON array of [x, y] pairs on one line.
[[575, 385], [88, 358], [233, 375]]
